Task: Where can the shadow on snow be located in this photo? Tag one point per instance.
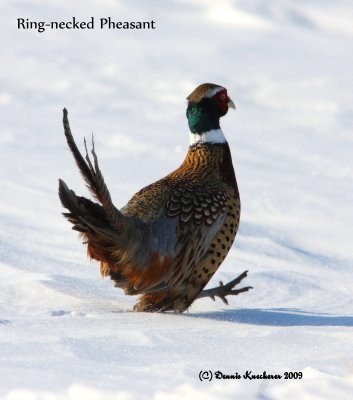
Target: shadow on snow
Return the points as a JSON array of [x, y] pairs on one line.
[[277, 317]]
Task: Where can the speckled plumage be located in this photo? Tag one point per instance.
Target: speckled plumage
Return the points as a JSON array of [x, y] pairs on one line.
[[171, 237]]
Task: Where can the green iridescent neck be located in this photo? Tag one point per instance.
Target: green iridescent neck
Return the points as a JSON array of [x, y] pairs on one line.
[[201, 118]]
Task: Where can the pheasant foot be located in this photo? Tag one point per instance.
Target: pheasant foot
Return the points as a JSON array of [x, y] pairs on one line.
[[222, 290]]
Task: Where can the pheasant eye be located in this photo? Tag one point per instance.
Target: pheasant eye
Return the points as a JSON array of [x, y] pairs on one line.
[[223, 97]]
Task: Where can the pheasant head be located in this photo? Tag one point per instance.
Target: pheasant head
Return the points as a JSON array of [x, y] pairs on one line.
[[206, 105]]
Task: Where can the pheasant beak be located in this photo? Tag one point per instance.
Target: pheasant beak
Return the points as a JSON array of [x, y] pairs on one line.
[[231, 103]]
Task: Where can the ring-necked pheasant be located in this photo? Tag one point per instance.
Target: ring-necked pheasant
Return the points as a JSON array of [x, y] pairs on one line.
[[172, 236]]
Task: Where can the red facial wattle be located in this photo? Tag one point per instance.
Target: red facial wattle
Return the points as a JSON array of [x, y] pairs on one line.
[[224, 101]]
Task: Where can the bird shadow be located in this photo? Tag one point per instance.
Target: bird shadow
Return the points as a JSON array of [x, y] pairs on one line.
[[277, 317]]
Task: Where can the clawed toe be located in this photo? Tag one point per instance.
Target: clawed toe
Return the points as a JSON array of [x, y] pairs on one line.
[[226, 290]]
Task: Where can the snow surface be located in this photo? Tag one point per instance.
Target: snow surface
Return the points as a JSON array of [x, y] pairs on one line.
[[67, 334]]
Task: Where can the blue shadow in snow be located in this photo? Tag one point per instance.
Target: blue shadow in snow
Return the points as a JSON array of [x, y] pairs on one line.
[[278, 317]]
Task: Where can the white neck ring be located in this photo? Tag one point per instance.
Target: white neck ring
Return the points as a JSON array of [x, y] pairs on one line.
[[212, 136]]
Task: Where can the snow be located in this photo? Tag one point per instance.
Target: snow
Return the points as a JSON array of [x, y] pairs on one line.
[[67, 334]]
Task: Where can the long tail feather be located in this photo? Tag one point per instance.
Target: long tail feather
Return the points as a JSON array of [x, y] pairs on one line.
[[84, 169], [92, 175]]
